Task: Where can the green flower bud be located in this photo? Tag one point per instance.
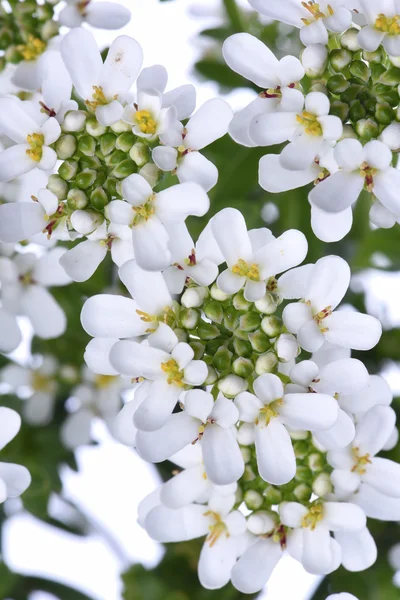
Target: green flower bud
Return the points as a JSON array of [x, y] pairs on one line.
[[125, 141], [318, 86], [253, 500], [250, 321], [349, 133], [212, 376], [340, 58], [207, 331], [87, 145], [74, 120], [85, 179], [259, 341], [303, 473], [374, 57], [198, 349], [299, 435], [194, 296], [391, 77], [218, 294], [360, 70], [268, 304], [242, 348], [108, 142], [246, 454], [58, 186], [351, 93], [151, 173], [121, 127], [357, 111], [339, 109], [110, 185], [384, 113], [240, 302], [266, 363], [231, 318], [214, 311], [349, 40], [367, 129], [140, 154], [272, 326], [65, 146], [181, 334], [272, 495], [99, 198], [68, 170], [337, 84], [301, 449], [232, 385], [89, 162], [115, 158], [243, 367], [322, 485], [189, 318], [124, 169], [94, 128], [377, 70], [302, 492], [389, 95], [222, 359], [77, 199], [249, 474], [316, 462]]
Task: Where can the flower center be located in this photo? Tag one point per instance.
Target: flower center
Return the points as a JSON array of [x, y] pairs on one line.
[[217, 529], [32, 49], [145, 122], [315, 12], [321, 316], [368, 173], [389, 25], [310, 123], [103, 381], [82, 6], [40, 382], [244, 269], [269, 412], [168, 317], [313, 517], [173, 372], [36, 142], [271, 93], [144, 212], [360, 462], [190, 261], [99, 98]]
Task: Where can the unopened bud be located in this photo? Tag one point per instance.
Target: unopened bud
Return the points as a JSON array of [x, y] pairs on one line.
[[125, 141], [139, 153], [107, 143], [87, 145], [315, 461], [266, 363], [94, 128], [68, 170], [357, 111], [222, 359], [301, 449], [268, 304], [246, 454], [214, 311], [339, 109], [349, 40], [261, 522], [99, 198], [198, 349], [302, 492], [74, 120], [340, 59], [337, 84], [242, 348], [240, 302], [375, 57], [124, 169], [181, 334], [303, 473], [286, 347], [243, 367], [272, 495], [212, 376], [151, 173], [77, 199], [231, 318], [207, 331], [391, 77], [259, 341], [58, 186], [384, 113], [189, 318], [65, 146], [272, 326], [250, 321], [367, 129], [314, 59], [253, 500], [322, 485], [218, 294], [232, 385], [121, 127], [249, 474], [194, 296], [246, 434], [360, 70], [85, 179], [85, 221]]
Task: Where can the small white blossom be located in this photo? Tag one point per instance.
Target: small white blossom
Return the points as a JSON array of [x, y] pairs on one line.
[[104, 15], [14, 479]]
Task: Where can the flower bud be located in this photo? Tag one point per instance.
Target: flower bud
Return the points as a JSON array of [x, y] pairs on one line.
[[87, 145], [151, 173], [337, 84], [111, 186], [218, 294], [58, 186], [261, 522], [65, 146], [121, 127], [124, 169], [77, 199], [259, 341], [303, 473], [339, 109], [391, 77], [367, 129], [85, 179], [108, 142], [214, 311], [377, 70], [74, 120], [232, 385], [302, 492], [246, 454], [243, 367], [125, 141], [268, 304], [194, 296], [301, 449], [242, 348], [266, 363], [375, 57], [360, 70], [99, 198], [212, 376], [348, 132], [246, 434], [384, 113], [181, 334], [249, 474], [250, 321], [68, 170], [272, 326], [315, 461], [349, 40], [85, 221], [357, 111], [314, 59], [189, 318], [340, 59], [272, 495], [207, 331], [286, 347], [322, 485], [351, 93], [139, 153], [94, 128], [240, 302], [222, 359], [198, 349], [231, 318], [253, 500]]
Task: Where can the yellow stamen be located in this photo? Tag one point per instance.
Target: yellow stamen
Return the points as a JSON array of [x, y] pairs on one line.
[[99, 98], [32, 49], [244, 269], [388, 25], [320, 317], [104, 381], [173, 372], [313, 517], [144, 211], [310, 123], [217, 529], [360, 462], [168, 316], [36, 142], [268, 412], [145, 122], [315, 12]]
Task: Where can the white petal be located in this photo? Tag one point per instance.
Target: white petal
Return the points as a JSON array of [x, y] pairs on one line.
[[84, 72], [272, 128], [97, 355], [166, 525], [293, 284], [377, 505], [122, 66], [10, 425], [134, 359], [338, 436], [150, 245], [353, 330], [310, 412], [14, 162], [337, 192], [329, 226], [136, 190], [240, 124], [107, 15], [328, 283], [223, 460], [16, 477], [275, 456], [82, 261], [157, 407], [374, 429], [20, 220], [199, 404], [310, 337], [317, 552], [165, 157], [248, 56], [268, 388], [315, 33], [344, 376], [376, 392], [275, 179], [256, 566], [179, 431], [10, 334], [237, 244], [287, 251], [183, 98], [15, 122], [178, 202], [385, 185], [208, 124], [216, 562], [344, 516], [106, 315], [47, 317], [370, 38], [184, 488], [163, 338], [384, 475], [120, 212], [359, 550], [290, 70], [108, 114], [147, 288], [229, 282], [300, 154], [197, 168]]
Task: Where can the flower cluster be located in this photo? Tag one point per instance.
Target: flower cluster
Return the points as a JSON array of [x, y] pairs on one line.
[[337, 106]]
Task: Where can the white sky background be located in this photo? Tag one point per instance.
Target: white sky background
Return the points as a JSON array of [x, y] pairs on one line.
[[112, 479]]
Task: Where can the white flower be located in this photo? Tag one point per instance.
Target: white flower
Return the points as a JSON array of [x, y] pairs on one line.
[[318, 552], [383, 26], [253, 257], [180, 152], [361, 167], [32, 140], [104, 15], [314, 19], [165, 361], [307, 130], [148, 117], [20, 221], [14, 479], [224, 526], [148, 213], [248, 56], [113, 316], [101, 86], [356, 468], [82, 261], [313, 320], [342, 596], [272, 410], [214, 425]]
